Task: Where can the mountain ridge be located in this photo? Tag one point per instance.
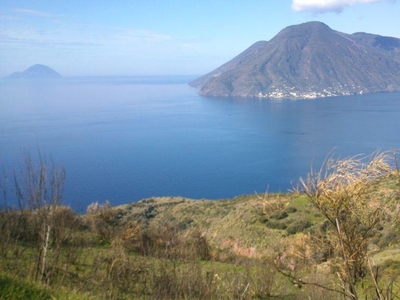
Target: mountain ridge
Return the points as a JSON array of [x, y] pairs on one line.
[[309, 60]]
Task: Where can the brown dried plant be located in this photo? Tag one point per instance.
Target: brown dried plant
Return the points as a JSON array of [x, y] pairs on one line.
[[341, 192], [271, 205]]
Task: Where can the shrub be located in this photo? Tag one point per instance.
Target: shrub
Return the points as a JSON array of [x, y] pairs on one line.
[[291, 210], [298, 224], [341, 192], [280, 215], [276, 224], [165, 240], [170, 281], [101, 219]]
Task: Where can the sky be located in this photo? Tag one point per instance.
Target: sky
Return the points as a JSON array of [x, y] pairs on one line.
[[164, 37]]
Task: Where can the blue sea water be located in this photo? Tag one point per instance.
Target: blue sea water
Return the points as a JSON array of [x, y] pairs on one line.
[[123, 139]]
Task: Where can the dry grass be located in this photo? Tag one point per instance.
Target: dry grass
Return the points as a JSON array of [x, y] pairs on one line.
[[341, 191], [177, 248]]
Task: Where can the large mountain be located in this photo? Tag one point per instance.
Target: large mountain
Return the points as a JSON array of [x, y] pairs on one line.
[[36, 72], [307, 61]]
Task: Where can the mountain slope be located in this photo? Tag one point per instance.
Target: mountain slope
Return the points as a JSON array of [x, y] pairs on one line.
[[307, 61], [36, 72]]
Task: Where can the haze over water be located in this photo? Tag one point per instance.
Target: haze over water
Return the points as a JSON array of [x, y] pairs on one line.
[[123, 139]]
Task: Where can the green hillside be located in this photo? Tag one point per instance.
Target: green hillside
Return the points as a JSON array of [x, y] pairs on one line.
[[272, 246]]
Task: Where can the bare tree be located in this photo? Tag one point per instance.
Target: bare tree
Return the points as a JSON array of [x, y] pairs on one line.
[[342, 192], [39, 187], [4, 187]]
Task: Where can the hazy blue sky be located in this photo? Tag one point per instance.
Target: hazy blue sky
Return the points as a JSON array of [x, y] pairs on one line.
[[148, 37]]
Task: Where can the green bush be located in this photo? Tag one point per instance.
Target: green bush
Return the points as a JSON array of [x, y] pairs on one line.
[[291, 209], [276, 224], [299, 224], [263, 219]]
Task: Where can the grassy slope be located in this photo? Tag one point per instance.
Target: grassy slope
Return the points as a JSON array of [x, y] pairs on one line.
[[249, 226], [12, 288], [226, 223]]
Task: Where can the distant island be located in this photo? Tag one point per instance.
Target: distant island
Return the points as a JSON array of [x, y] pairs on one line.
[[36, 72], [309, 60]]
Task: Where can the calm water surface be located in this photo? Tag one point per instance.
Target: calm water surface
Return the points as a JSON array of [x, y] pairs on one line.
[[125, 139]]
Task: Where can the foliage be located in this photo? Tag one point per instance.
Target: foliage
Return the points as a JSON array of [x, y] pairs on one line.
[[11, 289], [177, 248], [341, 192]]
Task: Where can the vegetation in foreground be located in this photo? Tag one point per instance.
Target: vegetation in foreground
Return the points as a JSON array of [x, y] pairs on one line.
[[336, 237]]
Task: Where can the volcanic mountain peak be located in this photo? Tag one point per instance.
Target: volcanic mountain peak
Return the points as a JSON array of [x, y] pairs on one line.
[[36, 72], [307, 61]]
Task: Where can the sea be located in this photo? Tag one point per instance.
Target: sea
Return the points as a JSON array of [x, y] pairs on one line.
[[123, 139]]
